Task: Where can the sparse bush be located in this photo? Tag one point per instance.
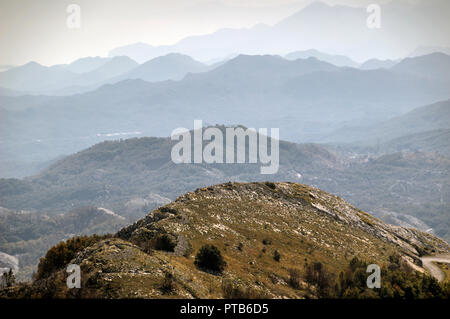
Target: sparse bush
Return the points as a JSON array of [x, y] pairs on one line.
[[163, 242], [148, 248], [294, 278], [168, 284], [60, 255], [271, 185], [231, 291], [7, 279], [168, 210], [210, 258], [276, 255], [394, 258], [318, 275]]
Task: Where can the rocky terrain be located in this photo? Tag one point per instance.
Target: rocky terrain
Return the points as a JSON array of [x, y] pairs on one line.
[[250, 223]]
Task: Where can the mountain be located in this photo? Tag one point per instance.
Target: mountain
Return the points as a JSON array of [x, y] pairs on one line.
[[337, 29], [312, 100], [4, 67], [34, 77], [119, 68], [265, 237], [28, 235], [102, 175], [434, 141], [432, 66], [37, 79], [110, 69], [373, 64], [87, 64], [338, 60], [420, 120], [140, 52], [9, 92], [107, 72], [169, 67], [262, 68], [426, 50], [407, 183], [428, 141]]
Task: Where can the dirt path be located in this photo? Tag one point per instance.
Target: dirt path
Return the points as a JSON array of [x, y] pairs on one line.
[[435, 271]]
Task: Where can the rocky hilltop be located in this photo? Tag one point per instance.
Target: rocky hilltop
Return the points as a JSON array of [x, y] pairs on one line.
[[267, 234]]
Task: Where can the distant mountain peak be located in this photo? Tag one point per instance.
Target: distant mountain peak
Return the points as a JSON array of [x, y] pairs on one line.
[[32, 64], [122, 57], [338, 60], [173, 56]]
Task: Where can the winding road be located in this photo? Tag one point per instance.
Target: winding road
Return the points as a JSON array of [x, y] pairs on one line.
[[435, 271]]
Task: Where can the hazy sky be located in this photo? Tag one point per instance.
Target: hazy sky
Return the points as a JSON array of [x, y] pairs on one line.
[[37, 30]]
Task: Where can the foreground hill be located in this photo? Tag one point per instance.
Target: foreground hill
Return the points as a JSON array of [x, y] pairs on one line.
[[267, 233]]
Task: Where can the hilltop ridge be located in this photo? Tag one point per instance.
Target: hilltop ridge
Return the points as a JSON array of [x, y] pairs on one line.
[[249, 223]]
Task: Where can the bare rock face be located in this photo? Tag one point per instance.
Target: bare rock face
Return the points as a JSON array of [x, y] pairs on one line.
[[248, 223]]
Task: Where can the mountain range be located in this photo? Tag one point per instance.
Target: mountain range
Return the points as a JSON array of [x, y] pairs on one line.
[[335, 29], [35, 78], [312, 100], [88, 175], [88, 74]]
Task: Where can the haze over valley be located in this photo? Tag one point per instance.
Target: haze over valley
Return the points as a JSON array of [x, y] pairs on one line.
[[364, 149]]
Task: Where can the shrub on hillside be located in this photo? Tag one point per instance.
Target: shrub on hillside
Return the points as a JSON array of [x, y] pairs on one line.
[[294, 278], [235, 291], [168, 284], [163, 242], [210, 258], [7, 279], [60, 255], [318, 275], [396, 282], [276, 255]]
